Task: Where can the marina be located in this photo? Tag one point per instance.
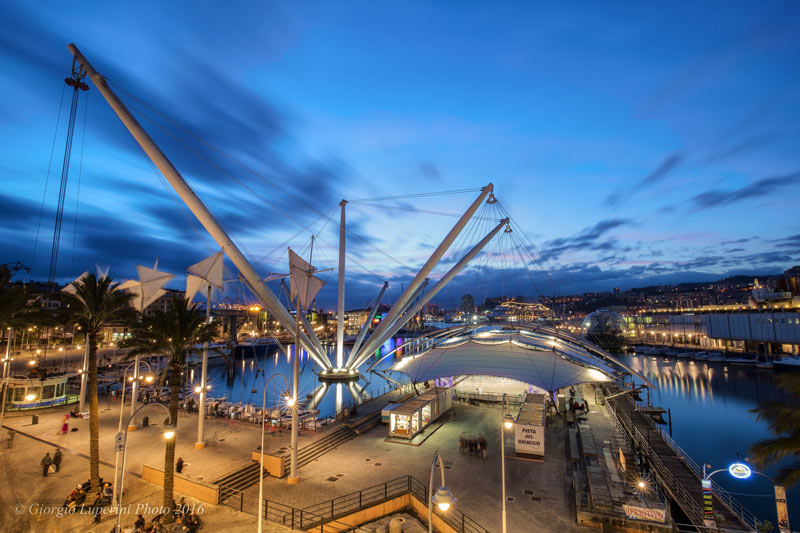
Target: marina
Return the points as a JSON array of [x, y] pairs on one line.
[[493, 269]]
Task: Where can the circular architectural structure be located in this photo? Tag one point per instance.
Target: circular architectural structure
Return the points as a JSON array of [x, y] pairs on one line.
[[542, 356], [338, 376], [604, 322]]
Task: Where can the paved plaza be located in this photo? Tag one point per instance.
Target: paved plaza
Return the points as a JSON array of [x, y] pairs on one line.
[[539, 492]]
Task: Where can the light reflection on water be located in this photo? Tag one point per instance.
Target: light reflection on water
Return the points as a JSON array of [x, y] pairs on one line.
[[255, 364], [710, 405]]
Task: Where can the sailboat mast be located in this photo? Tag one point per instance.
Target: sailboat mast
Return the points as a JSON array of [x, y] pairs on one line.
[[340, 298], [196, 205]]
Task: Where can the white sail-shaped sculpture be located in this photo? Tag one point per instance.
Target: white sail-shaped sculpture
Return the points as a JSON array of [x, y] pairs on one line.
[[305, 285], [151, 282], [206, 272], [70, 288]]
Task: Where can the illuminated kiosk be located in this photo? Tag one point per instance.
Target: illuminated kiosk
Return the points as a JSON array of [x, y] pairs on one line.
[[409, 419], [34, 393]]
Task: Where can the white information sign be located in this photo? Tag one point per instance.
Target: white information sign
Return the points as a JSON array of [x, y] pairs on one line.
[[529, 439]]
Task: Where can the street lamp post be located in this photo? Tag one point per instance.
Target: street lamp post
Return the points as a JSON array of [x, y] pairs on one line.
[[119, 427], [120, 445], [201, 404], [739, 470], [84, 368], [6, 372], [290, 403], [507, 423], [443, 497]]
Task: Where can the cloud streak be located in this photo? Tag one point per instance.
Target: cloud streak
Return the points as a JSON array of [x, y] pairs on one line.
[[758, 189]]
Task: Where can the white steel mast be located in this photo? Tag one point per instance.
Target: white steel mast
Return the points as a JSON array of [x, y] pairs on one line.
[[379, 336], [340, 299], [197, 207]]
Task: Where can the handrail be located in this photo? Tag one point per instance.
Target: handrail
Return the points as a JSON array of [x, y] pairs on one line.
[[743, 513], [735, 507], [327, 512]]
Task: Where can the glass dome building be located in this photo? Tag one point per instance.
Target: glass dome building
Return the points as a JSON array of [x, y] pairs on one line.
[[603, 321], [606, 329]]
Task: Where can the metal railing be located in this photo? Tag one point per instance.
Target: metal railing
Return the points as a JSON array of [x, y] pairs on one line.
[[734, 506], [685, 498], [324, 515]]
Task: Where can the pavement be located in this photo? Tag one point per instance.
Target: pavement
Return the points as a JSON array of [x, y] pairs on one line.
[[369, 460], [539, 494], [32, 503]]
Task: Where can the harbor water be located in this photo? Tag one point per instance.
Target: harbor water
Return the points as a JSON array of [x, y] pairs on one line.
[[710, 405], [254, 365]]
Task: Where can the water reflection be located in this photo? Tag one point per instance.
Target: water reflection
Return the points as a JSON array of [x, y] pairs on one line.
[[710, 407], [253, 365]]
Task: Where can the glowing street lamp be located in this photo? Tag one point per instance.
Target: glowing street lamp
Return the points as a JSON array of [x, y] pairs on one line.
[[121, 441], [508, 423], [443, 498], [261, 462]]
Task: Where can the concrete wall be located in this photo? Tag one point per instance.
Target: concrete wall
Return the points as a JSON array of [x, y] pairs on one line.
[[380, 510], [273, 463], [205, 492]]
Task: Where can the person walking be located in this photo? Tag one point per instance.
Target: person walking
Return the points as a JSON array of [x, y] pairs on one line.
[[10, 438], [179, 465], [482, 445], [65, 425], [97, 507], [45, 463], [57, 459]]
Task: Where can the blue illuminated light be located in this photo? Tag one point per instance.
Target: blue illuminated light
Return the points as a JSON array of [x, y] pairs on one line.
[[740, 470]]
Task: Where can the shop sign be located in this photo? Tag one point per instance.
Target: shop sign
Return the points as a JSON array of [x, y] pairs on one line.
[[635, 512], [529, 439]]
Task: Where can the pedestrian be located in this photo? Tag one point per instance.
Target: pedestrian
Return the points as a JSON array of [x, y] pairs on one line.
[[461, 443], [139, 524], [10, 438], [97, 507], [482, 445], [179, 465], [65, 425], [472, 444], [45, 463], [585, 406], [57, 459]]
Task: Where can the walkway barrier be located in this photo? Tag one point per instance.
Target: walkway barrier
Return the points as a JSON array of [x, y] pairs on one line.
[[329, 516], [686, 499]]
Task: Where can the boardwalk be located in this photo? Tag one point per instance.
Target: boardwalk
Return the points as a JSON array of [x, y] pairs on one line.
[[676, 472]]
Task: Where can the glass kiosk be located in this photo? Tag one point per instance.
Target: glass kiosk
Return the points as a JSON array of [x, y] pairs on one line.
[[409, 419]]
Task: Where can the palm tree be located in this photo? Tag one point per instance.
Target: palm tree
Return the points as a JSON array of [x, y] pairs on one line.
[[177, 332], [95, 304], [784, 421]]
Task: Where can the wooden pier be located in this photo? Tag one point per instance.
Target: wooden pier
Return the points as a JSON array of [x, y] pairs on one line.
[[677, 473]]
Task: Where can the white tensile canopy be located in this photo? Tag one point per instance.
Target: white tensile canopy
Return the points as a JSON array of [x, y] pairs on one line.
[[536, 357]]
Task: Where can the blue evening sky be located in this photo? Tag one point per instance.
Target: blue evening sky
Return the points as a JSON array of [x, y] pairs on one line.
[[632, 143]]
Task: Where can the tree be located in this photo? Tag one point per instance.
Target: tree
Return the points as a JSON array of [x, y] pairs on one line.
[[783, 418], [177, 332], [95, 304], [13, 301]]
